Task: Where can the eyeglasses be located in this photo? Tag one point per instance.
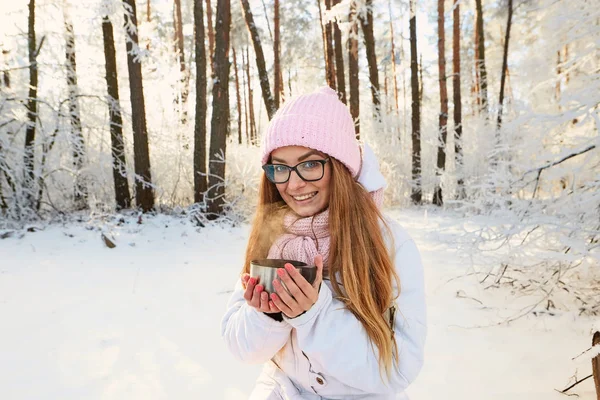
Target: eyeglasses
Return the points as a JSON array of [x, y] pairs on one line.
[[308, 171]]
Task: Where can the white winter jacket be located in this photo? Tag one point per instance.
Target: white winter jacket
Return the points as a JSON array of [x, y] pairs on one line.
[[325, 353]]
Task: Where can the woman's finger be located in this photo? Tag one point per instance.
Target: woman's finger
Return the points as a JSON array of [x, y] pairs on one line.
[[273, 308], [249, 289], [299, 280], [292, 289], [245, 278], [283, 294], [264, 302], [255, 302], [282, 306], [319, 264]]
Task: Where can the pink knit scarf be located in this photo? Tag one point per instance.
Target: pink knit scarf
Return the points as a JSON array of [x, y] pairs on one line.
[[304, 238]]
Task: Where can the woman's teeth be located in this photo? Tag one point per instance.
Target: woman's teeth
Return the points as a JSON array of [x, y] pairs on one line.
[[305, 197]]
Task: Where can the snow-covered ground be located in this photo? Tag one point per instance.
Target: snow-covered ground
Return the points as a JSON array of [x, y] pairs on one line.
[[141, 321]]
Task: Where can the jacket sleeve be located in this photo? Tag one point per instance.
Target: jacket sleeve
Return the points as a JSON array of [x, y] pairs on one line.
[[337, 344], [250, 335]]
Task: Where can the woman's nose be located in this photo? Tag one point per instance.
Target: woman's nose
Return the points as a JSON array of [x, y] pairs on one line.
[[295, 181]]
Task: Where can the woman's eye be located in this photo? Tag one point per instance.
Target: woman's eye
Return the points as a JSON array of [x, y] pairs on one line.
[[280, 169], [310, 164]]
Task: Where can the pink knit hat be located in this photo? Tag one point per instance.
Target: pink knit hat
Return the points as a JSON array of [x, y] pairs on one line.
[[318, 120]]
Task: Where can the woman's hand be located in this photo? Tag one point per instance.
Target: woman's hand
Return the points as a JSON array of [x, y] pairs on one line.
[[302, 295], [256, 297]]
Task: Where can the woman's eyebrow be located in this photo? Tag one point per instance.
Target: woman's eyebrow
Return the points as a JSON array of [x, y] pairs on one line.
[[301, 158]]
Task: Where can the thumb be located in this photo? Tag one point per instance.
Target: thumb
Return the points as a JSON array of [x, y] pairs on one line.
[[319, 277]]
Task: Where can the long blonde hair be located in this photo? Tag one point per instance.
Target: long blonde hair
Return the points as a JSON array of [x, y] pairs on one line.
[[358, 256]]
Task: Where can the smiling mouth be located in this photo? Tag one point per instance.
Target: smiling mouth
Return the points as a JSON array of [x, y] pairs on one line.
[[305, 196]]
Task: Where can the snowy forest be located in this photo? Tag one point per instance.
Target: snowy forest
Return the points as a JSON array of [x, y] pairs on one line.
[[121, 116]]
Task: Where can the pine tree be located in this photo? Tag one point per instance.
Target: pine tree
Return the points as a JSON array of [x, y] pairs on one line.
[[220, 110], [200, 168], [122, 196], [144, 194]]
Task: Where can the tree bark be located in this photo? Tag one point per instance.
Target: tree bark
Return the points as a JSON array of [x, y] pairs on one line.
[[246, 125], [80, 194], [504, 63], [250, 101], [5, 73], [117, 148], [200, 168], [277, 55], [28, 159], [353, 69], [480, 69], [267, 20], [456, 80], [220, 114], [144, 194], [260, 60], [330, 57], [179, 45], [324, 42], [237, 96], [353, 82], [211, 35], [393, 54], [416, 194], [367, 28], [339, 60], [443, 117], [596, 364]]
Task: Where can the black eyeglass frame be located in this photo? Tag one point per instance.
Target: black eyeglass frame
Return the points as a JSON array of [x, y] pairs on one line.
[[295, 168]]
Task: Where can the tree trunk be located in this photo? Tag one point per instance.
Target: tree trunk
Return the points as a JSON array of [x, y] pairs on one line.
[[404, 97], [596, 364], [260, 60], [339, 59], [211, 35], [267, 20], [245, 99], [5, 73], [200, 169], [324, 42], [179, 45], [144, 195], [480, 69], [443, 117], [367, 28], [416, 194], [28, 159], [393, 54], [237, 96], [122, 195], [353, 68], [148, 12], [250, 101], [458, 154], [80, 191], [504, 63], [330, 57], [220, 114], [277, 55], [386, 102]]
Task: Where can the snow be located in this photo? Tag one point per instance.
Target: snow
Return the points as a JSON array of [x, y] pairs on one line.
[[142, 320]]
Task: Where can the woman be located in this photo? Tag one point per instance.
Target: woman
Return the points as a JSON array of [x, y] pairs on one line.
[[319, 202]]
